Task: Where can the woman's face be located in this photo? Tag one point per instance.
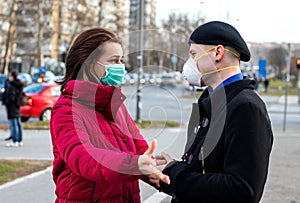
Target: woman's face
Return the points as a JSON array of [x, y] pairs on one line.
[[10, 77], [112, 54]]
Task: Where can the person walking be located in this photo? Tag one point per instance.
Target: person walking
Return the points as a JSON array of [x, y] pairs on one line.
[[230, 136], [266, 84], [10, 99], [99, 153]]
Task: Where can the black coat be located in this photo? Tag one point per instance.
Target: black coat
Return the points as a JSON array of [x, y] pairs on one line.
[[12, 90], [228, 149]]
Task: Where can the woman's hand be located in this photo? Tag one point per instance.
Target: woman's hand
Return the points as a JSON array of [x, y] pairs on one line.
[[147, 166]]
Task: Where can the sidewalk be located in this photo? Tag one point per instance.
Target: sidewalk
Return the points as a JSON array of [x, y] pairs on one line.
[[276, 104], [38, 187], [282, 185]]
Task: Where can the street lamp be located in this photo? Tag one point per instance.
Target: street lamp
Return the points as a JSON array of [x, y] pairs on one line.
[[174, 58], [140, 60], [287, 80], [298, 67]]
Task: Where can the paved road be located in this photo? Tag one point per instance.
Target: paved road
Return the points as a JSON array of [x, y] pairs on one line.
[[282, 185]]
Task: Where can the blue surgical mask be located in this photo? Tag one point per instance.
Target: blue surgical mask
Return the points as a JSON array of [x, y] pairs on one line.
[[115, 74]]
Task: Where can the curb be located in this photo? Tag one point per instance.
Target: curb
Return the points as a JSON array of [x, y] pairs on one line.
[[24, 178]]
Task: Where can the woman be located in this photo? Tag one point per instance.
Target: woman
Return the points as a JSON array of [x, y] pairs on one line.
[[13, 89], [99, 154]]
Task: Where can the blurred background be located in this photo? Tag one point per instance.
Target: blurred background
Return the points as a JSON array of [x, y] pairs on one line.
[[35, 36]]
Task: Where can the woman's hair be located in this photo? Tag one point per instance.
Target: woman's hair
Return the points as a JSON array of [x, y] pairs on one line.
[[84, 51], [14, 74]]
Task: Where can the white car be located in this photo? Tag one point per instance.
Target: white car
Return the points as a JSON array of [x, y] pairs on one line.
[[25, 78], [189, 87]]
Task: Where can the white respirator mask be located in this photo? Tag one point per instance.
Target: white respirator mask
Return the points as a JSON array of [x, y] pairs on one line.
[[191, 73]]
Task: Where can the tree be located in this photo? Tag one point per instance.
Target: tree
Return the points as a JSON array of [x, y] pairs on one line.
[[277, 58], [179, 26], [9, 36], [294, 71]]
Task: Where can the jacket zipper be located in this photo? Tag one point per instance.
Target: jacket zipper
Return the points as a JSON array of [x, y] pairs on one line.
[[202, 160]]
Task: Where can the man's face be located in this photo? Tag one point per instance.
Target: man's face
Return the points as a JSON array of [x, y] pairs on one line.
[[202, 55]]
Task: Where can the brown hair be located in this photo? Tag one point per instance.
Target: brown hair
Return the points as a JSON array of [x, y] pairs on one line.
[[84, 50], [14, 74]]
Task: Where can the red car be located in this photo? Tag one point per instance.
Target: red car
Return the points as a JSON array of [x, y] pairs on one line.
[[41, 98]]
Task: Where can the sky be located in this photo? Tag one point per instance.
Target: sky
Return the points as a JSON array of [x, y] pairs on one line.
[[256, 20]]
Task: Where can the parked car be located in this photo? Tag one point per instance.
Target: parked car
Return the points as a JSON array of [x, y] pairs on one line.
[[2, 83], [25, 78], [41, 98], [189, 87], [168, 80], [48, 78]]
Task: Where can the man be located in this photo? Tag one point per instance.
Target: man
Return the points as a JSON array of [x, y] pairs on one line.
[[229, 133]]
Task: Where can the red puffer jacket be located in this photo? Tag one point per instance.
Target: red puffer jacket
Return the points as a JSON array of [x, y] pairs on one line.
[[95, 145]]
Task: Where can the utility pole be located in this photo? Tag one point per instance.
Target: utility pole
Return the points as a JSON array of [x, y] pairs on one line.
[[174, 57], [228, 8], [140, 60], [298, 67], [287, 80]]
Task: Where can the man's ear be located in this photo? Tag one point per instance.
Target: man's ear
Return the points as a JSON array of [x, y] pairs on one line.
[[219, 53]]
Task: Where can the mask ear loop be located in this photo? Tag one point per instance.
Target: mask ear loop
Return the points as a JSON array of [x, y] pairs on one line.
[[100, 63], [205, 53], [218, 70], [104, 68], [233, 53]]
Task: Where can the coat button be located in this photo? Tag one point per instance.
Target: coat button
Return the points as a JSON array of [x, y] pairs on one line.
[[197, 129], [121, 98]]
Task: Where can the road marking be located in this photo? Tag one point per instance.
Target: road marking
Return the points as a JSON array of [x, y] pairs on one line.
[[24, 178]]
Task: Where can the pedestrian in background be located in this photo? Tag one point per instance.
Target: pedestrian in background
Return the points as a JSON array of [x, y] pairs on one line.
[[229, 133], [99, 153], [266, 84], [13, 87]]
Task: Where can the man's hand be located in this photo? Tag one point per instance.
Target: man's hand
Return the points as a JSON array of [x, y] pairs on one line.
[[162, 160], [147, 166]]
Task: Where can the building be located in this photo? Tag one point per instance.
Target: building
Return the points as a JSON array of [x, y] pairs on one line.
[[45, 28], [149, 23]]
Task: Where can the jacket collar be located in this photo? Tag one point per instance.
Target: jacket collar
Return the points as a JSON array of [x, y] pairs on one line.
[[104, 99], [222, 96]]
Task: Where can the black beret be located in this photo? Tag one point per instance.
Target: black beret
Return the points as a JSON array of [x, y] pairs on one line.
[[216, 32]]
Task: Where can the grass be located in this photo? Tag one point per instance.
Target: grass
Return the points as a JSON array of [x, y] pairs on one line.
[[44, 125], [36, 125], [39, 125], [12, 169], [157, 124], [276, 88]]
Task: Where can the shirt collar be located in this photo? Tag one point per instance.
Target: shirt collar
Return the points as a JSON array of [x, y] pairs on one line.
[[234, 78]]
